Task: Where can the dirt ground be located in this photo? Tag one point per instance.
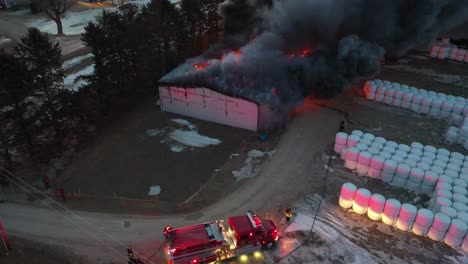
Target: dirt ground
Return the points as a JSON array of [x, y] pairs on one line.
[[124, 161], [29, 252]]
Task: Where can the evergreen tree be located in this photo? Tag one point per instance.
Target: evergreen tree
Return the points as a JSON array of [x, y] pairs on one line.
[[43, 61], [15, 108]]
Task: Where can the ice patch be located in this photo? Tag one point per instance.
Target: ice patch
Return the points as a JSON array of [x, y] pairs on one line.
[[153, 132], [177, 148], [184, 122], [254, 157], [154, 190], [75, 61], [192, 138], [73, 22], [70, 81]]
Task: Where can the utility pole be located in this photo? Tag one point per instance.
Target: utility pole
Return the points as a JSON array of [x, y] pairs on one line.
[[4, 237]]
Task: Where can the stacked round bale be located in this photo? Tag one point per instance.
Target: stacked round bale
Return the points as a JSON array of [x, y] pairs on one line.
[[413, 167], [449, 51], [439, 105], [447, 225]]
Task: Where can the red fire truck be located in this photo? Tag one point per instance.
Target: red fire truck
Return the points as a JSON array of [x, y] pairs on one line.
[[210, 242]]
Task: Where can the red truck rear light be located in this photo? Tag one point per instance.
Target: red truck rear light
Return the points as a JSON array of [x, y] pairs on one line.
[[194, 261]]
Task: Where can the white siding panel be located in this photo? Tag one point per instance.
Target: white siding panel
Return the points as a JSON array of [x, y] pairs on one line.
[[210, 105]]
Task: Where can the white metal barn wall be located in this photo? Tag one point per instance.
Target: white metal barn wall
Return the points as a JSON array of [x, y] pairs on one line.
[[209, 105]]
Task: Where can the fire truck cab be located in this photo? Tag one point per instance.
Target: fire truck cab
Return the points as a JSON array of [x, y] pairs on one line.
[[210, 242]]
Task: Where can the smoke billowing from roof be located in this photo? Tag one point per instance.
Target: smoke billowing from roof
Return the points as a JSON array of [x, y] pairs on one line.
[[277, 51]]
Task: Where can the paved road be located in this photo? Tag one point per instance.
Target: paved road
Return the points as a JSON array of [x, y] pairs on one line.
[[291, 172]]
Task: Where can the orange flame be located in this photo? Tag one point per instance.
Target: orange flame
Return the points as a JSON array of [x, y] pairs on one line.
[[306, 106], [201, 66]]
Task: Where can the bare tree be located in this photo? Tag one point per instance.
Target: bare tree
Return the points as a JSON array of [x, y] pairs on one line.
[[55, 10]]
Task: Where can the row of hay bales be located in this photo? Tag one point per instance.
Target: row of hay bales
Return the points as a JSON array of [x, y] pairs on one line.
[[406, 217], [438, 105]]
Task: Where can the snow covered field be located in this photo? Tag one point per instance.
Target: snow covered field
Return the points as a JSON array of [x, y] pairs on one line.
[[182, 136], [70, 81], [254, 158], [73, 23], [75, 61]]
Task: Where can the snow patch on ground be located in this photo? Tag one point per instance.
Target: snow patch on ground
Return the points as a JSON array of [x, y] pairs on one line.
[[440, 77], [154, 190], [344, 237], [184, 123], [183, 135], [75, 61], [70, 81], [4, 40], [73, 23], [254, 157], [193, 139]]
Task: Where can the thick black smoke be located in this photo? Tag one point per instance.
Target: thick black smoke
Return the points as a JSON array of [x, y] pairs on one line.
[[292, 48]]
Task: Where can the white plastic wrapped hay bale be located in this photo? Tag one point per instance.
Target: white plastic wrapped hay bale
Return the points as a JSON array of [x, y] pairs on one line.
[[380, 140], [459, 207], [406, 217], [425, 106], [459, 183], [439, 227], [424, 166], [458, 108], [456, 161], [455, 233], [429, 148], [376, 206], [453, 167], [370, 89], [417, 145], [388, 149], [375, 167], [431, 156], [443, 157], [358, 133], [395, 181], [459, 189], [416, 152], [388, 170], [460, 198], [445, 179], [387, 82], [434, 51], [403, 171], [388, 98], [447, 107], [455, 119], [443, 151], [426, 160], [453, 54], [460, 55], [391, 144], [348, 190], [365, 141], [373, 151], [411, 163], [397, 98], [379, 146], [429, 182], [353, 140], [441, 164], [451, 136], [441, 193], [364, 160], [449, 211], [450, 173], [416, 103], [463, 216], [368, 136], [457, 155], [439, 202], [361, 201], [406, 101], [401, 153], [413, 157], [444, 52], [341, 140], [390, 213], [436, 108], [397, 159], [385, 155], [413, 186], [352, 155], [404, 147], [423, 222], [361, 146]]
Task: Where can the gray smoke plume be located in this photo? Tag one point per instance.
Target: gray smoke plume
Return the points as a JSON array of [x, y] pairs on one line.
[[278, 51]]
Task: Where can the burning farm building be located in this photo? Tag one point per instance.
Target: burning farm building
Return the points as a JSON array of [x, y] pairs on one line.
[[273, 53]]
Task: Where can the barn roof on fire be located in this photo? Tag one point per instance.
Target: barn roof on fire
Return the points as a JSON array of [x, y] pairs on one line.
[[248, 94]]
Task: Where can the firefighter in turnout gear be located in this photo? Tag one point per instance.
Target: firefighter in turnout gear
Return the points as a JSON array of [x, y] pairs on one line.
[[130, 255], [287, 215]]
